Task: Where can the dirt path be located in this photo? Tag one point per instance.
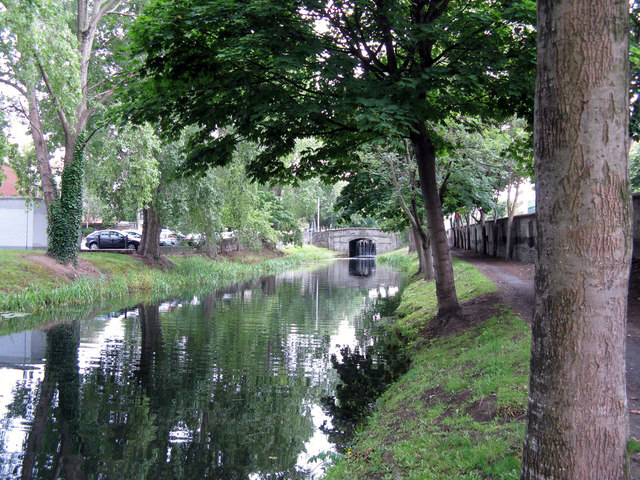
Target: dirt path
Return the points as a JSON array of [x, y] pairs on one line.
[[515, 283]]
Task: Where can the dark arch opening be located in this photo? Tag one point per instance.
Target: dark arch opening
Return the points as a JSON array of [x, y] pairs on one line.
[[362, 247]]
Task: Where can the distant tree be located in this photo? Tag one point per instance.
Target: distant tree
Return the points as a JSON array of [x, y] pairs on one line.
[[345, 73], [577, 420], [387, 189], [122, 169], [58, 58]]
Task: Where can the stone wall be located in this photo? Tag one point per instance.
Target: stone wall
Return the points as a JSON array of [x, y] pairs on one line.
[[338, 239], [525, 231]]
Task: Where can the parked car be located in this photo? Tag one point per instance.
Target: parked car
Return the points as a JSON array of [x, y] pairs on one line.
[[133, 234], [104, 239], [167, 238]]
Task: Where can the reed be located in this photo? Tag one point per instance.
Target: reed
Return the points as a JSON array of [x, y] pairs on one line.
[[123, 279]]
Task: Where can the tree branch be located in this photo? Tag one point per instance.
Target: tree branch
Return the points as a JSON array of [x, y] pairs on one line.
[[56, 100], [15, 86]]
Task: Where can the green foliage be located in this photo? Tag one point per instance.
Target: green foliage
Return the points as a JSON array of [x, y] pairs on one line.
[[39, 33], [400, 260], [371, 193], [65, 215], [23, 162], [281, 219], [122, 170], [481, 160], [271, 73]]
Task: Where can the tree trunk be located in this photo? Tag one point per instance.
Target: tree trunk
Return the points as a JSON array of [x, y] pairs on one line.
[[210, 247], [418, 249], [577, 421], [49, 189], [511, 210], [422, 241], [150, 243], [423, 248], [412, 240], [443, 267]]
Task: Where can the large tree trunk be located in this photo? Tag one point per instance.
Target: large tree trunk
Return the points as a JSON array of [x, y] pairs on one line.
[[422, 241], [412, 240], [443, 267], [150, 243], [577, 417]]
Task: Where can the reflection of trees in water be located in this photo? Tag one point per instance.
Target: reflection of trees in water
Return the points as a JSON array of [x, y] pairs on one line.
[[61, 375], [216, 390], [365, 372]]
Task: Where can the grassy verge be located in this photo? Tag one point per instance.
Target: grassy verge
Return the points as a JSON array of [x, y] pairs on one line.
[[459, 411], [34, 289]]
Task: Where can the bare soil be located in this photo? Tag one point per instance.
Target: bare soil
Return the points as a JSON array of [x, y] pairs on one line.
[[66, 272], [515, 284]]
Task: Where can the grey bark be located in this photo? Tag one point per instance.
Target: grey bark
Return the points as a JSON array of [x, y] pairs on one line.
[[443, 266], [577, 420]]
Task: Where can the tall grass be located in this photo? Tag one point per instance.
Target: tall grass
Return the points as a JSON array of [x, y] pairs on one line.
[[459, 411], [131, 280], [401, 260]]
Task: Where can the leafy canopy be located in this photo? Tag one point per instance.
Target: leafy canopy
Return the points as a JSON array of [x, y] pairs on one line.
[[346, 72]]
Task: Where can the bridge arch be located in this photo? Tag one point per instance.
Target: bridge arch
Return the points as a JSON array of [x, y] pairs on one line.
[[342, 239], [362, 247]]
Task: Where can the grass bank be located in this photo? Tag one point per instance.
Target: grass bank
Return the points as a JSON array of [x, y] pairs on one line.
[[459, 411], [28, 286]]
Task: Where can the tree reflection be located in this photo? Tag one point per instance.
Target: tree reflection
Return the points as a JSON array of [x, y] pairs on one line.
[[61, 375], [221, 388], [365, 373]]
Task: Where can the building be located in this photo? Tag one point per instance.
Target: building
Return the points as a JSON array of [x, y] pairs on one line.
[[23, 221]]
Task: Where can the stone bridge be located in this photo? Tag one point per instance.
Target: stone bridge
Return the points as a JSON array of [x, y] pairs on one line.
[[356, 242]]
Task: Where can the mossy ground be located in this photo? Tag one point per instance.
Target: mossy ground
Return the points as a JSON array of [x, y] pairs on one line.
[[459, 411]]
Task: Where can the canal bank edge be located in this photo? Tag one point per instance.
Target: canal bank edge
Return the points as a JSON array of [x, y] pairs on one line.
[[460, 410], [29, 287]]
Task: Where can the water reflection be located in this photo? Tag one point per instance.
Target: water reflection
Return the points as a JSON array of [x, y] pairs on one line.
[[225, 385], [362, 267]]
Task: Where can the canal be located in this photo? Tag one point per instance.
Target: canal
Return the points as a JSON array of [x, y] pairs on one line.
[[227, 385]]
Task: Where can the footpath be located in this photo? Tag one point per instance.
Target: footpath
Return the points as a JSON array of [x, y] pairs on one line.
[[515, 284]]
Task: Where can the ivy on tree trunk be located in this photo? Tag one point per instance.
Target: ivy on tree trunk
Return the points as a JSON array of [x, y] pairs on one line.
[[65, 214]]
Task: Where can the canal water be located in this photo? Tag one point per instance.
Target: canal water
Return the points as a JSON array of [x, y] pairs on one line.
[[227, 385]]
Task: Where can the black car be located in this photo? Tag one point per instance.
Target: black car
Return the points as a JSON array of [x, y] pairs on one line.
[[102, 239]]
